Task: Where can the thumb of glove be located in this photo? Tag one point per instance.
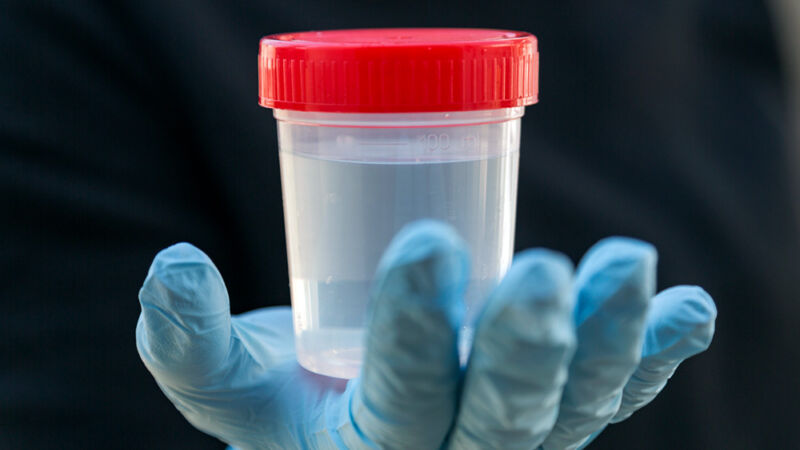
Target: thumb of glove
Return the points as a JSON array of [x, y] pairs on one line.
[[184, 329]]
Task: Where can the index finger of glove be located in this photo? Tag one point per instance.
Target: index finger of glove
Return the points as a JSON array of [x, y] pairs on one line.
[[406, 397], [519, 359]]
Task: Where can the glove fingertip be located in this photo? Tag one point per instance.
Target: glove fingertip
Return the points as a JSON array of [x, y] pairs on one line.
[[533, 298], [538, 284], [183, 279], [680, 323], [614, 266], [543, 265], [616, 248], [426, 239], [179, 253], [184, 327], [427, 258]]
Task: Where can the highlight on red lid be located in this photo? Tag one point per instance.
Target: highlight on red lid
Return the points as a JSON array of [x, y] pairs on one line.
[[386, 70]]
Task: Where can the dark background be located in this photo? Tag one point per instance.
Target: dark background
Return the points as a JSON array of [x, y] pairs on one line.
[[128, 126]]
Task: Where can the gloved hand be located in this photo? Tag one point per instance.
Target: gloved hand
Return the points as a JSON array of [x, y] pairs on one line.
[[555, 357]]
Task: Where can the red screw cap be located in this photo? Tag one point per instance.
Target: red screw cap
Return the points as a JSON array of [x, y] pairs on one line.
[[398, 70]]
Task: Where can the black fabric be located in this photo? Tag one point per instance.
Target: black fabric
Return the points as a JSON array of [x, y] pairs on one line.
[[128, 126]]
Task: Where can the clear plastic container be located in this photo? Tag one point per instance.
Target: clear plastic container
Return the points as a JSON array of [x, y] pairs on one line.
[[378, 128], [351, 181]]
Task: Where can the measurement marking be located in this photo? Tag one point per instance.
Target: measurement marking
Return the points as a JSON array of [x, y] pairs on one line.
[[381, 143]]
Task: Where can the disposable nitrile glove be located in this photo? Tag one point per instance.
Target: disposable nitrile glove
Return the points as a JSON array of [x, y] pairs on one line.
[[556, 357]]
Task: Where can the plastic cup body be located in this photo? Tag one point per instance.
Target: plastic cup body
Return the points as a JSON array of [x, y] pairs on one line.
[[351, 181]]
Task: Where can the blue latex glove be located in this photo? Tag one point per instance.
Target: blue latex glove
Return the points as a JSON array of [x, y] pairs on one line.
[[555, 358]]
